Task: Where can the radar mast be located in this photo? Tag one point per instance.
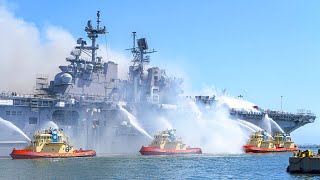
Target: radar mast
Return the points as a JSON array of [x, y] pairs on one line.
[[136, 71], [93, 34]]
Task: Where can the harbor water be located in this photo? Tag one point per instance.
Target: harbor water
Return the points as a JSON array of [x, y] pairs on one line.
[[135, 166]]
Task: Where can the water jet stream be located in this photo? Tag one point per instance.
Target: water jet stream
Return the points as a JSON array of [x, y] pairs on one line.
[[50, 124], [134, 122], [256, 128], [274, 123], [13, 127]]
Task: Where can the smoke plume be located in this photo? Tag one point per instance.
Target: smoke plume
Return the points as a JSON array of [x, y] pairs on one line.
[[27, 51]]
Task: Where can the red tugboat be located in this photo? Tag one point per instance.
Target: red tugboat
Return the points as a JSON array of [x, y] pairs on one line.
[[50, 143], [166, 143], [260, 143]]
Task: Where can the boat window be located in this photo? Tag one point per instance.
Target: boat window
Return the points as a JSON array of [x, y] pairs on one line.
[[39, 103], [45, 103], [7, 112], [16, 102], [14, 113], [19, 113]]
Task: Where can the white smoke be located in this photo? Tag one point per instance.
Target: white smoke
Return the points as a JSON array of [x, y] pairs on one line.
[[210, 129], [237, 103], [229, 101], [162, 123], [49, 124], [123, 60], [26, 52]]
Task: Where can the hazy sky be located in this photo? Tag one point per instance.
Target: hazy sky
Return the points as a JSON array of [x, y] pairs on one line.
[[259, 49]]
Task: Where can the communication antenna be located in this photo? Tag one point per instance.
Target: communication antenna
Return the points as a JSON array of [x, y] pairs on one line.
[[93, 34]]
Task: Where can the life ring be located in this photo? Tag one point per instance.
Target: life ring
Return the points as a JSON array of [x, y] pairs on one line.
[[67, 149]]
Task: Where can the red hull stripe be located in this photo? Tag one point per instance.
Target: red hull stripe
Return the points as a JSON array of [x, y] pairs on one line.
[[156, 151], [27, 154], [267, 150]]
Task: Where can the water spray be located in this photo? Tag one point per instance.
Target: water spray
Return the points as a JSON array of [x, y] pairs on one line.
[[134, 121], [11, 126]]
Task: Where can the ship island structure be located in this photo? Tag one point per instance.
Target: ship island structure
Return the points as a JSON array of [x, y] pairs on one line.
[[84, 96]]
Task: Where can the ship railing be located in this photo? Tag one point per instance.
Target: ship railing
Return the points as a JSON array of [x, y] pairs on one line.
[[85, 98], [300, 112], [18, 95], [304, 112]]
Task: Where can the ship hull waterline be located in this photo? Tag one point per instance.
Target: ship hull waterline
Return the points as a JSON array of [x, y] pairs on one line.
[[27, 154], [253, 149], [157, 151]]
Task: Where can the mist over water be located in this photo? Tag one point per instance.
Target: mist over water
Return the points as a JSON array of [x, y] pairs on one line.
[[12, 127]]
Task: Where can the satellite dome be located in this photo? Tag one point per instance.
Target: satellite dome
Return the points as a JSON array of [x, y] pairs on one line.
[[62, 79], [66, 78], [57, 79]]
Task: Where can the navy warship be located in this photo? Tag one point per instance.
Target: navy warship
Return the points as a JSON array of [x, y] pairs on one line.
[[84, 98]]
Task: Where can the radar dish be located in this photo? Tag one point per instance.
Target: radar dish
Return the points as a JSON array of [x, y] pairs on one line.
[[142, 43]]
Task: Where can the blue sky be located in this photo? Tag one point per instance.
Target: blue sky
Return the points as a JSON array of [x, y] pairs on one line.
[[259, 49]]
